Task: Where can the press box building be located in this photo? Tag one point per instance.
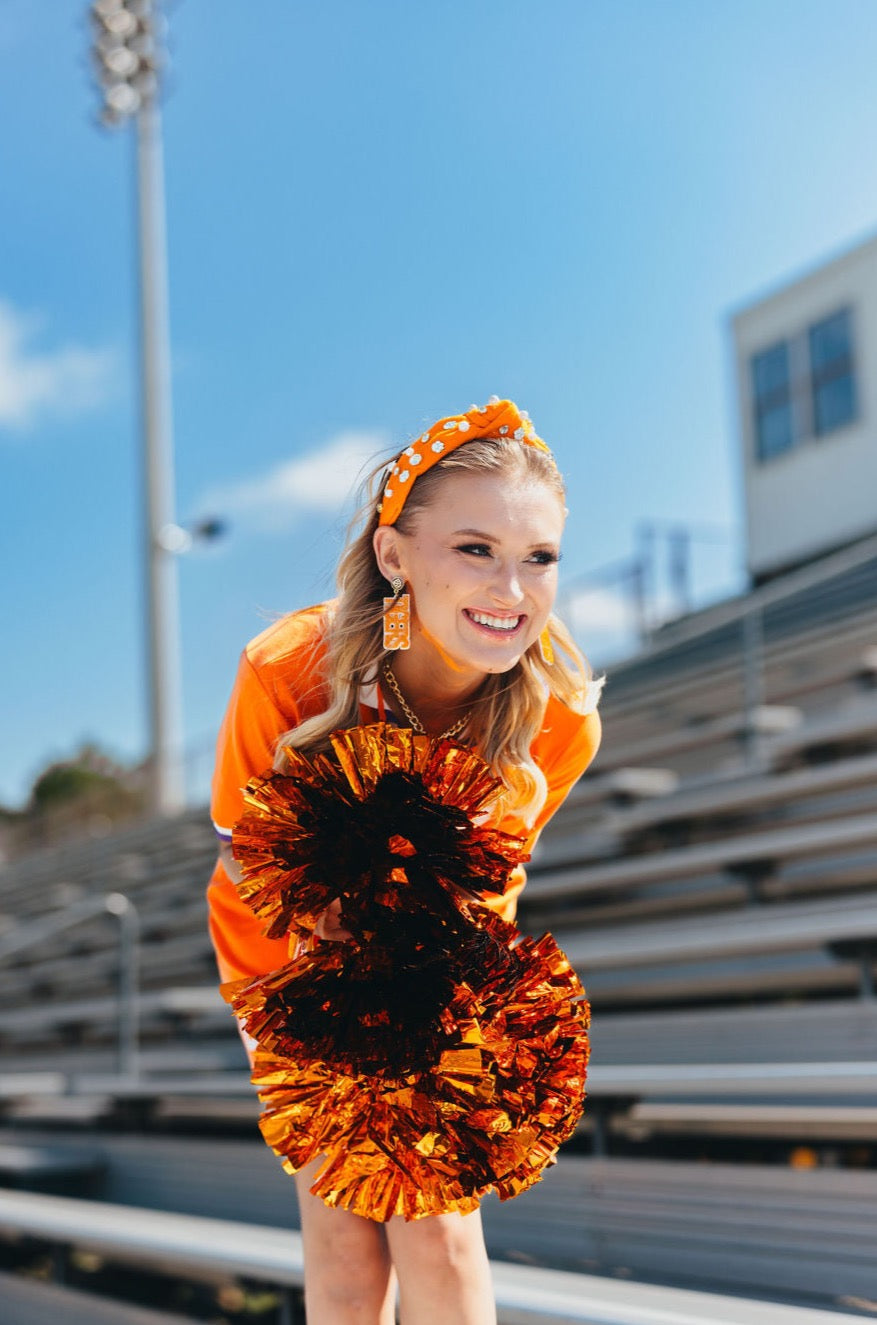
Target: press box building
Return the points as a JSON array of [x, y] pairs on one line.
[[806, 358]]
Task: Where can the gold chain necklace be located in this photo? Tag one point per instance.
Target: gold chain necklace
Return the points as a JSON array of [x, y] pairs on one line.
[[416, 725]]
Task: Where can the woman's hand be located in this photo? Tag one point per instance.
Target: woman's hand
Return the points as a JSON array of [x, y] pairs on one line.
[[329, 925], [229, 864]]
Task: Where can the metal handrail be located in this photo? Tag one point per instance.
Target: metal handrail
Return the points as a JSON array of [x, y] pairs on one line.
[[748, 609], [687, 628], [37, 932]]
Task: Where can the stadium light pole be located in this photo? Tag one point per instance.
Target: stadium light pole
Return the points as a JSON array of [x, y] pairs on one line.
[[128, 62]]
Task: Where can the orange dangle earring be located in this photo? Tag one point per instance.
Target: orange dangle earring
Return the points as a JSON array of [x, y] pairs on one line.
[[397, 617], [546, 648]]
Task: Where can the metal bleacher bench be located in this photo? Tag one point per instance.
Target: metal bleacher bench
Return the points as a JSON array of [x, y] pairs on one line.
[[678, 952], [725, 796], [842, 1080], [766, 719], [855, 721], [771, 927], [836, 1030], [564, 879], [218, 1250]]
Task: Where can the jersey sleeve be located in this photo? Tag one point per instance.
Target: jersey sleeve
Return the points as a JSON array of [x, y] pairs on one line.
[[245, 746], [244, 749], [573, 755], [564, 755]]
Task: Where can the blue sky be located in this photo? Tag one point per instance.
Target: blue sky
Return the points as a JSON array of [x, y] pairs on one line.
[[377, 214]]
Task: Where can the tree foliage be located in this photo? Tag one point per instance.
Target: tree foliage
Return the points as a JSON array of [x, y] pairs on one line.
[[84, 795]]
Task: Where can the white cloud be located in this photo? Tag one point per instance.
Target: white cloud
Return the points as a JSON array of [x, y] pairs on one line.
[[598, 610], [320, 481], [63, 381], [604, 619]]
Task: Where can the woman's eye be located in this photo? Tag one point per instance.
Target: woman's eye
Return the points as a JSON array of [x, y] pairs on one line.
[[543, 557]]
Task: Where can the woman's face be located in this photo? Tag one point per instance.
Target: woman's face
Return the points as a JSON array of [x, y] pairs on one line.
[[480, 563]]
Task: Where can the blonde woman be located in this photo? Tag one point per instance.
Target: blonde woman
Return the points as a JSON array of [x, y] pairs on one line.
[[462, 531]]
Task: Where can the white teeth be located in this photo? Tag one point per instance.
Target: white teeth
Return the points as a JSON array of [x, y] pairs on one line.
[[495, 622]]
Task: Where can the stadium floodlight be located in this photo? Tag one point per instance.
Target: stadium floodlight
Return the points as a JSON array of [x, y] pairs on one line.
[[127, 55], [128, 62]]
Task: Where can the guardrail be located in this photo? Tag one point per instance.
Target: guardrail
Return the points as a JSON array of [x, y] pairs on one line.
[[525, 1295], [37, 932]]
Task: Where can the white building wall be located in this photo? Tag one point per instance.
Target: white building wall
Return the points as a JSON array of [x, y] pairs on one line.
[[823, 492]]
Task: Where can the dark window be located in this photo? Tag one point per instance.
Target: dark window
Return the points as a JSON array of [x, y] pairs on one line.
[[831, 373], [774, 430]]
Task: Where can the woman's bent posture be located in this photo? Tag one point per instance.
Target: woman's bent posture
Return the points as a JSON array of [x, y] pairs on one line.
[[443, 624]]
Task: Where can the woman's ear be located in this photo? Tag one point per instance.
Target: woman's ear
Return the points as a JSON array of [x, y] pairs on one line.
[[388, 552]]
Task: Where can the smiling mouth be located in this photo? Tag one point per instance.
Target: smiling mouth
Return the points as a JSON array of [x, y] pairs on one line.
[[494, 625]]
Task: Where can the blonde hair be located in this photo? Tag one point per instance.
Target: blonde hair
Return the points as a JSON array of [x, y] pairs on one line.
[[510, 706]]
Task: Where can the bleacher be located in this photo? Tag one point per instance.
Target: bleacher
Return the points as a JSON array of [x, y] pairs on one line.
[[714, 881]]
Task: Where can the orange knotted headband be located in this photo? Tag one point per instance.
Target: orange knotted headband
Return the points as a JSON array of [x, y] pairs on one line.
[[498, 418]]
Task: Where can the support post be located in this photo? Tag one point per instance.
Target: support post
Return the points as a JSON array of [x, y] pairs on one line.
[[753, 678]]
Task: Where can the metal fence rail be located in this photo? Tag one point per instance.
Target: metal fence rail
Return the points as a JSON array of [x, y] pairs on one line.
[[525, 1295]]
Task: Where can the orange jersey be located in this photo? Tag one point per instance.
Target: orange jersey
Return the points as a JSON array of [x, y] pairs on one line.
[[280, 682]]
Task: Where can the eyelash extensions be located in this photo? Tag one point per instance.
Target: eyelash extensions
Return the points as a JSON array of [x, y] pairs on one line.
[[546, 558]]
